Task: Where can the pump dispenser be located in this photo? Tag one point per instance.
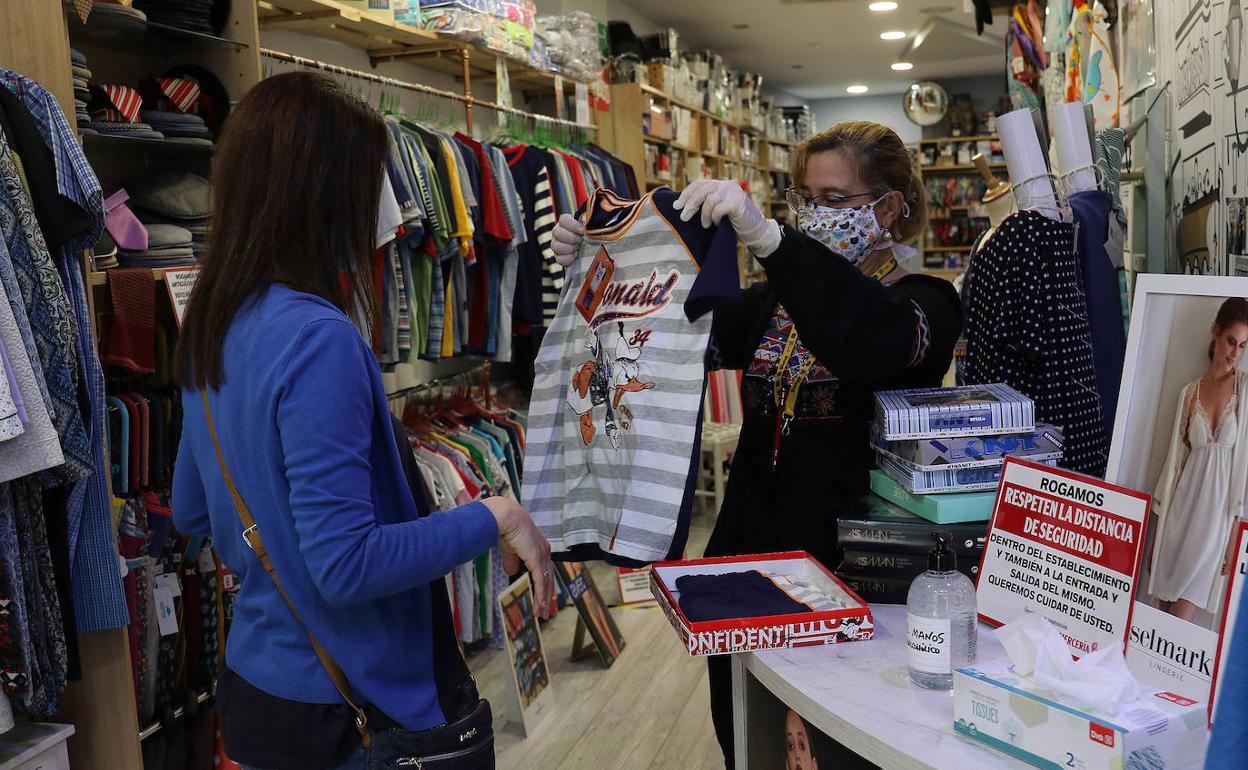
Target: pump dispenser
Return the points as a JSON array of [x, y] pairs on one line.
[[940, 619]]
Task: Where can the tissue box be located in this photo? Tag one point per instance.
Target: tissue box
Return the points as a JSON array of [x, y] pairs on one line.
[[1013, 714]]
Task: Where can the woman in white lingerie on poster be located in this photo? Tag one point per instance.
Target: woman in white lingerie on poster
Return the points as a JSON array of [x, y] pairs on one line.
[[1200, 493]]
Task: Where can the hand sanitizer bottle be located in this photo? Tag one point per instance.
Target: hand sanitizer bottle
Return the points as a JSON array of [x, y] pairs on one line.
[[940, 620]]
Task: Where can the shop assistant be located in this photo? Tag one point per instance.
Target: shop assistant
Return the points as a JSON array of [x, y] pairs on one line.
[[835, 321]]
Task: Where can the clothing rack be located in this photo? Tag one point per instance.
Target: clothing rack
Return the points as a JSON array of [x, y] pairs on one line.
[[467, 99], [483, 369]]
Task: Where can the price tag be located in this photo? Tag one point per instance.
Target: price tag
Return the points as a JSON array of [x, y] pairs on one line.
[[582, 104], [229, 581], [170, 581], [205, 562], [503, 96], [166, 613]]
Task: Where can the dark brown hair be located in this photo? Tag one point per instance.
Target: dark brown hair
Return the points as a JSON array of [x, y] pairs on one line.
[[881, 160], [1233, 311], [295, 189]]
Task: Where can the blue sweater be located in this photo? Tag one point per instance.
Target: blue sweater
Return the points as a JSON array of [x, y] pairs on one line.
[[306, 432]]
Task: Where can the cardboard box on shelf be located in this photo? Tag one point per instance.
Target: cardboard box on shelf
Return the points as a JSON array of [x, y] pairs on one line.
[[660, 76], [660, 125], [1015, 715]]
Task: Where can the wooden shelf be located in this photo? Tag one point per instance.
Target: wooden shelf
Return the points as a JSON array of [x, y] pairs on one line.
[[952, 139], [154, 36], [957, 169], [649, 89], [100, 277], [748, 129], [782, 142], [124, 144], [674, 144], [948, 249], [385, 40]]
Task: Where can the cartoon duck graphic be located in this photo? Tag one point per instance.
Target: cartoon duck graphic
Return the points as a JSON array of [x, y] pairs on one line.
[[604, 380]]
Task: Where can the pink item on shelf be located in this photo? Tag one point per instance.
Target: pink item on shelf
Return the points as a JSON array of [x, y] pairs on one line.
[[122, 224]]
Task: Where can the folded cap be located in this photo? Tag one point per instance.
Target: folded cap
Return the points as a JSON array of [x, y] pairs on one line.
[[174, 194], [166, 237]]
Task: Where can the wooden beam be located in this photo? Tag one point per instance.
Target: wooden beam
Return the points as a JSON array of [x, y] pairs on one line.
[[101, 705], [423, 49]]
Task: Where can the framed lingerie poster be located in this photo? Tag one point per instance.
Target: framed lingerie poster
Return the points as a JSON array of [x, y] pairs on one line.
[[594, 615], [533, 697], [1181, 434]]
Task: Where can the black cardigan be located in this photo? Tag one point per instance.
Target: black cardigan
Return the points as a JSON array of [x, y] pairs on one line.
[[863, 332]]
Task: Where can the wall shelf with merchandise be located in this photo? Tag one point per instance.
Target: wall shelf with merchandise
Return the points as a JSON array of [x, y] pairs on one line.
[[954, 188], [676, 142]]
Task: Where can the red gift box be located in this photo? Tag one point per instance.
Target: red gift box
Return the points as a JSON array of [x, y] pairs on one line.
[[806, 629]]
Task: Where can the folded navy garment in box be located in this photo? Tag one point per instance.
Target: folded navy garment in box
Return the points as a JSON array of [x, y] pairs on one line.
[[749, 594]]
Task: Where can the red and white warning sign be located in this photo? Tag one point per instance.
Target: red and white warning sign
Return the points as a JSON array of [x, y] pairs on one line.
[[1066, 547]]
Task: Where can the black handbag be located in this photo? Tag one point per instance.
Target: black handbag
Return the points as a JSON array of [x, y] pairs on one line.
[[466, 743]]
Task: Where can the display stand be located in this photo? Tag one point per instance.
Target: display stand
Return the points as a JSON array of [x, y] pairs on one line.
[[581, 650]]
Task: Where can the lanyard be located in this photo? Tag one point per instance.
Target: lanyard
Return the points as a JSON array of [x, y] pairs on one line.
[[885, 269], [785, 395]]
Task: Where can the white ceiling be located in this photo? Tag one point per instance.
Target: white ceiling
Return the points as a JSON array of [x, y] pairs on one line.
[[836, 42]]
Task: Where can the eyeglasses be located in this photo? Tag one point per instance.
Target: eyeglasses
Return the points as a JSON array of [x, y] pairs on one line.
[[798, 199]]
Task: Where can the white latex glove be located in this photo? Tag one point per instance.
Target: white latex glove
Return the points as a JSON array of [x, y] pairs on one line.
[[569, 233], [716, 199]]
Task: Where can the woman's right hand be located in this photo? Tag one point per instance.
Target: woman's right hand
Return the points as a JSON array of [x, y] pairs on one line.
[[569, 233], [522, 541]]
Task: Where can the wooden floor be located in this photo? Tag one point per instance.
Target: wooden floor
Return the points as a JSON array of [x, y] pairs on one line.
[[651, 710]]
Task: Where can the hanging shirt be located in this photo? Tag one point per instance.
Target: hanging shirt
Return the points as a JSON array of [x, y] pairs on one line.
[[1099, 279], [1027, 326], [510, 200], [537, 258], [617, 400]]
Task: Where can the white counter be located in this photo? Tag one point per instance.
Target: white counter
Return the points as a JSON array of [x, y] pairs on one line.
[[859, 693]]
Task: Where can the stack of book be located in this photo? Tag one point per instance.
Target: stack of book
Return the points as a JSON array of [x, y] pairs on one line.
[[941, 450], [885, 547]]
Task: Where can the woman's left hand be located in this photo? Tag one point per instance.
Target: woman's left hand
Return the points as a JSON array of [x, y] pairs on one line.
[[716, 199]]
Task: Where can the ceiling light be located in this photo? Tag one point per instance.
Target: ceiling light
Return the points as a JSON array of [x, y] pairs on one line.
[[883, 7], [892, 35], [857, 89], [902, 66]]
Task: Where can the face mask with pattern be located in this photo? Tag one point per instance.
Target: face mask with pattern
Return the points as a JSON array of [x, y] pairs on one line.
[[852, 232]]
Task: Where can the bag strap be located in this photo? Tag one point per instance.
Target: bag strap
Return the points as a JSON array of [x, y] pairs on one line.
[[251, 536]]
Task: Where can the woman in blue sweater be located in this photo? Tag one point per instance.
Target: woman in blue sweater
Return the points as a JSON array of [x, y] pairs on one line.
[[300, 412]]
